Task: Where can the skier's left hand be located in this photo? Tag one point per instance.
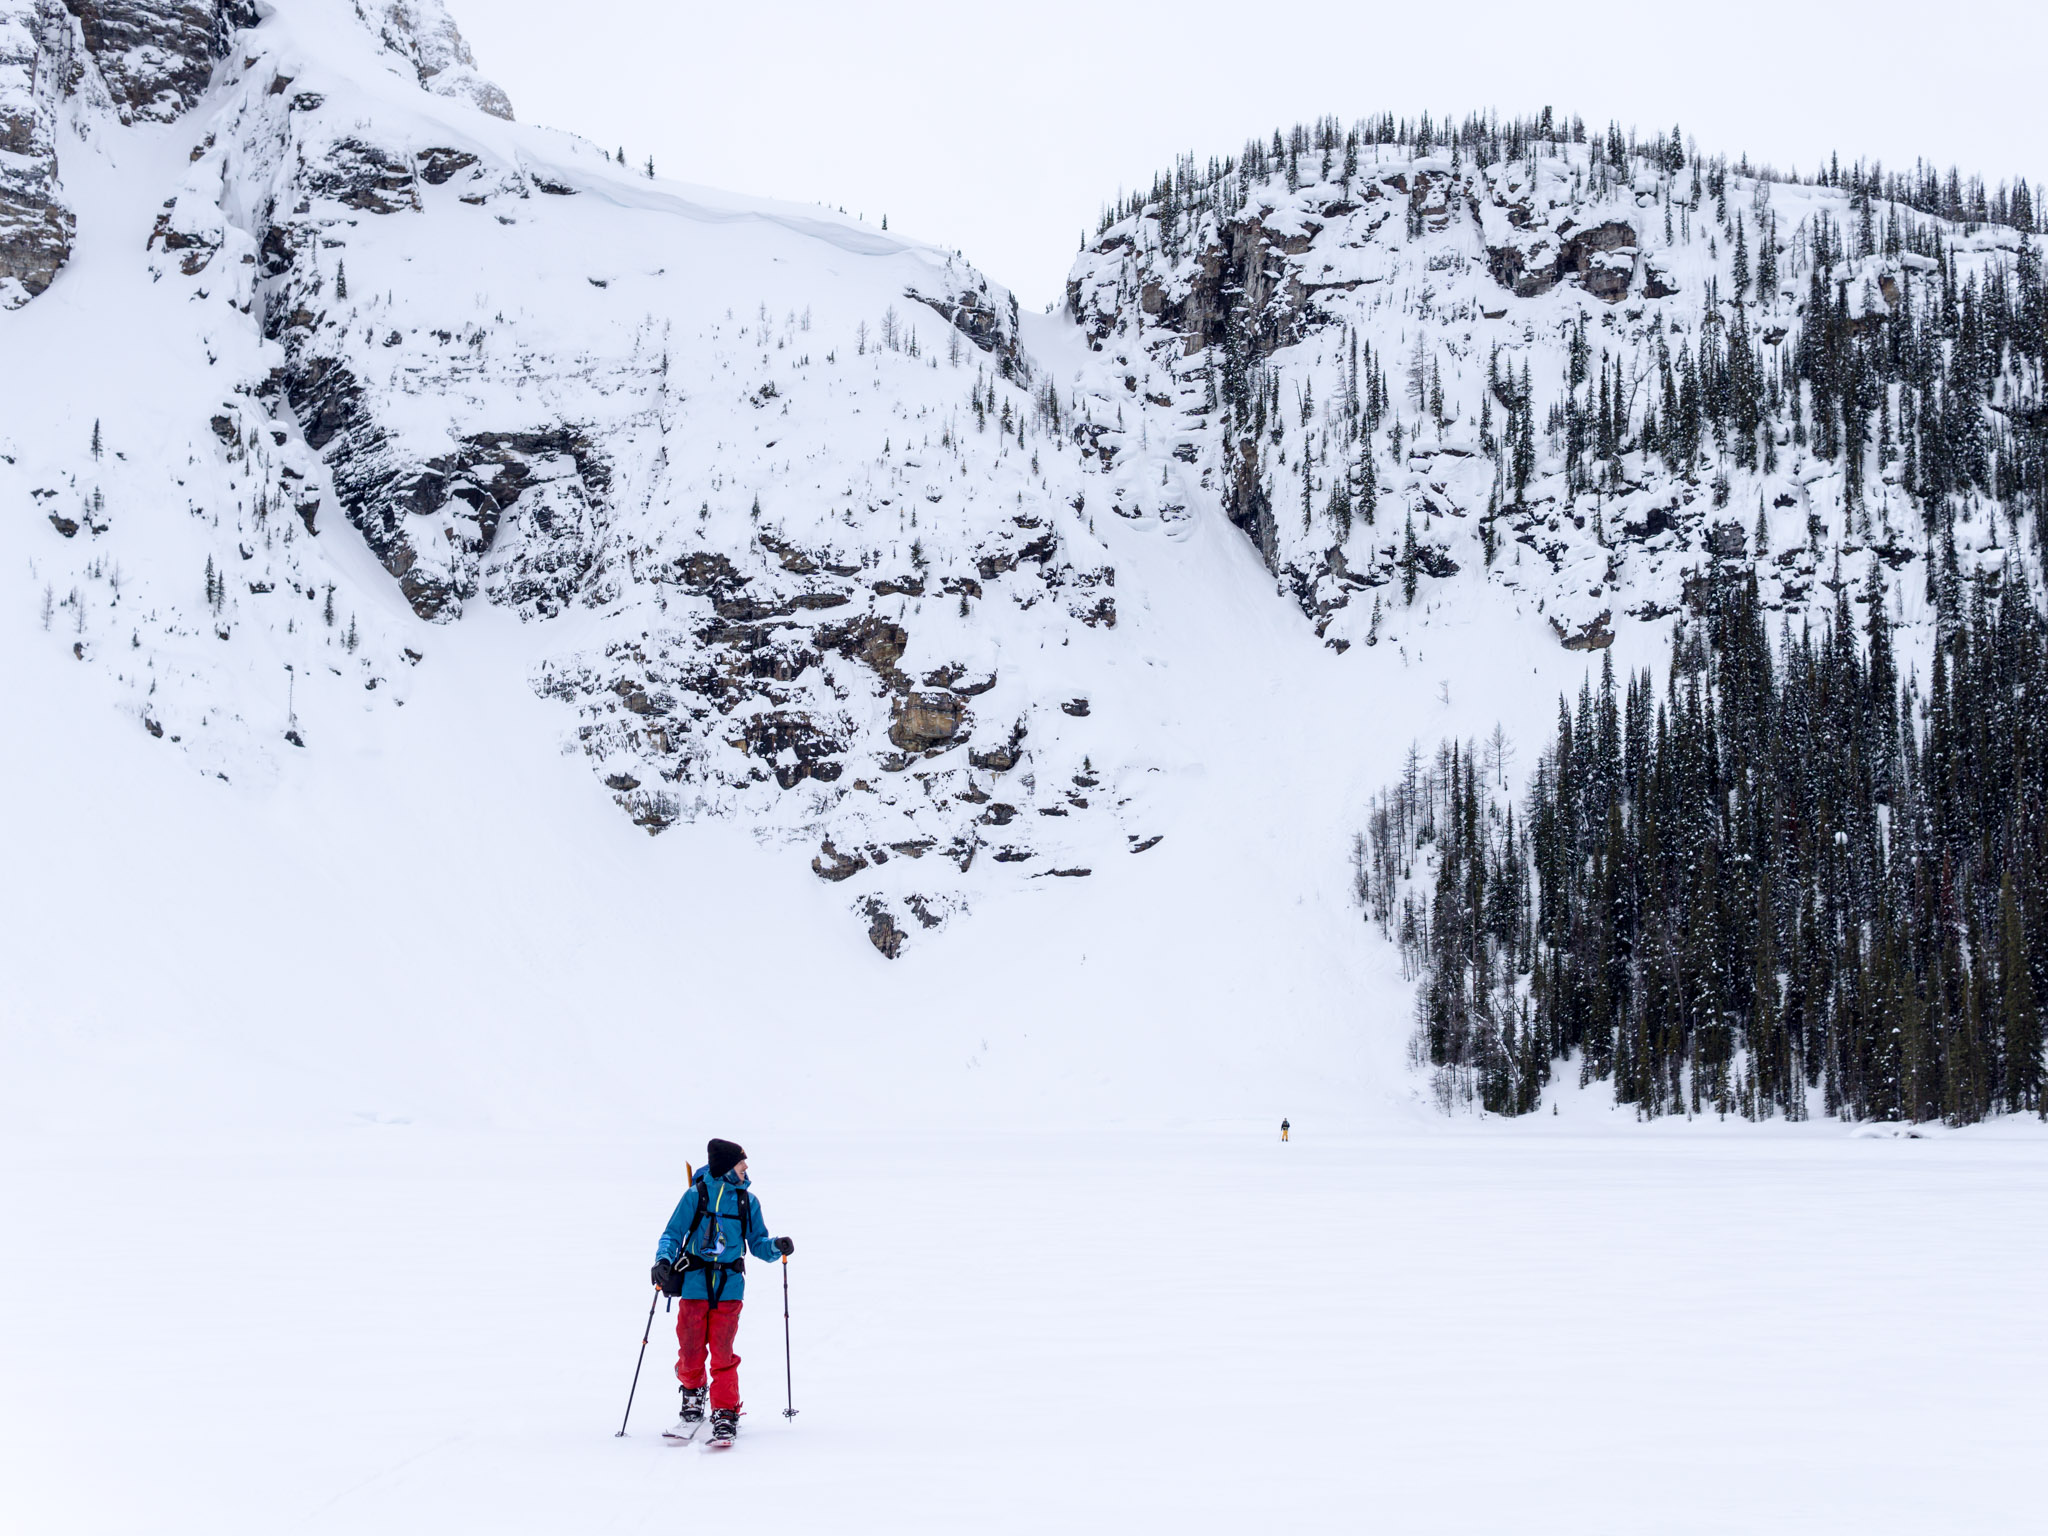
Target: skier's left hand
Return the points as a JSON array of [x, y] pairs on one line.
[[785, 1246]]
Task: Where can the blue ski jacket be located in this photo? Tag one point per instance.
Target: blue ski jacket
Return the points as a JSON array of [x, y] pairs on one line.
[[732, 1224]]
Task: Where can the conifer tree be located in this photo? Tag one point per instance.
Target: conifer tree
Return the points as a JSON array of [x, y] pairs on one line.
[[2021, 1046], [1715, 921]]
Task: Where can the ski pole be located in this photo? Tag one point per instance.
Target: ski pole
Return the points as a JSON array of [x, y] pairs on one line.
[[644, 1335], [788, 1388]]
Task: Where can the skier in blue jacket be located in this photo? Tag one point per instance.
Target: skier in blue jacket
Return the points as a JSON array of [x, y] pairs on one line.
[[701, 1260]]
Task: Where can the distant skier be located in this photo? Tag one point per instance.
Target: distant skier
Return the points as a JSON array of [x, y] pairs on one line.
[[1283, 1130], [702, 1260]]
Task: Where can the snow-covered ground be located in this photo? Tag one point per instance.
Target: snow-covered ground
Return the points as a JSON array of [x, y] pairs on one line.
[[342, 1097], [341, 1119], [1124, 1326]]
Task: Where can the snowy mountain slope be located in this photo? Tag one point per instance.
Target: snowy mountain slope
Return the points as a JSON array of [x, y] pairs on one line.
[[1389, 362], [803, 523], [1629, 380], [772, 476], [417, 913]]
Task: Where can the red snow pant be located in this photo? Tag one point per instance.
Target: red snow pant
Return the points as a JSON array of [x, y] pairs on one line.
[[692, 1318]]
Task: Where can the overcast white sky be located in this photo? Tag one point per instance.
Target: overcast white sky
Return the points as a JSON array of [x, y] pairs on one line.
[[1002, 129]]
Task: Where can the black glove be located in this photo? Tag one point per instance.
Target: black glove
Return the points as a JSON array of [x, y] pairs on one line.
[[666, 1280], [785, 1246]]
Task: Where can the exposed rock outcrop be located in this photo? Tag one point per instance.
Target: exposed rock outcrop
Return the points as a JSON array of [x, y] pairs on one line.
[[989, 324], [138, 60], [1595, 634], [36, 227], [157, 56], [924, 722], [883, 931], [425, 35], [434, 521]]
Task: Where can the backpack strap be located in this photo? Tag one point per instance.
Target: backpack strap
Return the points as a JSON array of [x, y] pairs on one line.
[[714, 1289], [703, 1188], [714, 1283]]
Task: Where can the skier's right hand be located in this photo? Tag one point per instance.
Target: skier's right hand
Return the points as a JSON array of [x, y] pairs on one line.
[[666, 1280]]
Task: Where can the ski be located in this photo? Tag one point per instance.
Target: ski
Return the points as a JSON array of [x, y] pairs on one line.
[[682, 1434]]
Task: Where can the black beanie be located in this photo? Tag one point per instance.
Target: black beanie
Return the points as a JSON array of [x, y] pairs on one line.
[[721, 1157]]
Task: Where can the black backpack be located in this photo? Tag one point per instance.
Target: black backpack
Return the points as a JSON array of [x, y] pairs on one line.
[[701, 1180]]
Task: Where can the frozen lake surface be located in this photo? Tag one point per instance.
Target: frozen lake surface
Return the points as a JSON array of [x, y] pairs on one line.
[[1116, 1327]]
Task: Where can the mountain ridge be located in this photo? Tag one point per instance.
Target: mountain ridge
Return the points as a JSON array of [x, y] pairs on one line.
[[807, 514]]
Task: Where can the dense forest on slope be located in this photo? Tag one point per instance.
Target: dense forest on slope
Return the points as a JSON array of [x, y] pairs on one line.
[[1782, 882]]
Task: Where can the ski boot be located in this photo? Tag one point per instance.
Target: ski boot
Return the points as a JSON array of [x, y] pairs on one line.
[[725, 1425], [692, 1420]]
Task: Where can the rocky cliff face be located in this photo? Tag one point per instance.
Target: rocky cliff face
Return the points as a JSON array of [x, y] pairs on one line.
[[425, 35], [796, 526], [1391, 374], [156, 56], [35, 225], [779, 490], [131, 60]]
